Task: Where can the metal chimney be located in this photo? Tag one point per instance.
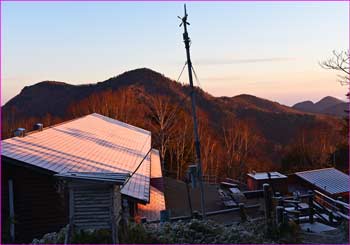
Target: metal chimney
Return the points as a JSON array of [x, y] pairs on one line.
[[38, 127], [19, 132]]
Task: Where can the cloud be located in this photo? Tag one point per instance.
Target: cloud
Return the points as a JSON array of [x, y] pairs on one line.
[[241, 61], [222, 78]]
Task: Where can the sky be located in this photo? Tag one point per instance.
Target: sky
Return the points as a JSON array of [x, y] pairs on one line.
[[267, 49]]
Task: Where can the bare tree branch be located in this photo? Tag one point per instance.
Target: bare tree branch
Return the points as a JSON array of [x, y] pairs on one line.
[[339, 62]]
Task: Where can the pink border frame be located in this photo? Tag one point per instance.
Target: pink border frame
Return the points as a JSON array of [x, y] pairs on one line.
[[131, 1]]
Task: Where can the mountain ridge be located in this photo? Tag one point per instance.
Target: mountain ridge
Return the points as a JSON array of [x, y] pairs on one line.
[[133, 95], [327, 105]]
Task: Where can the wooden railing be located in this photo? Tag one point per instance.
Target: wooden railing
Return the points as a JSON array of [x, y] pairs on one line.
[[335, 208]]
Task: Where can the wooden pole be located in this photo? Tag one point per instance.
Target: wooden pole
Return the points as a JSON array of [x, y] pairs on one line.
[[12, 210], [279, 215], [339, 205], [267, 201], [189, 199], [330, 217], [242, 212], [71, 217], [164, 216], [268, 204], [311, 206], [297, 217], [113, 217]]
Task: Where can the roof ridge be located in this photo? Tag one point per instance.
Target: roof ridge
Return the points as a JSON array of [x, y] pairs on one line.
[[314, 170], [94, 113], [54, 125], [121, 122]]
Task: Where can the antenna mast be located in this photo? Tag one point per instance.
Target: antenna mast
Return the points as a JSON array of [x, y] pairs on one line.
[[187, 42]]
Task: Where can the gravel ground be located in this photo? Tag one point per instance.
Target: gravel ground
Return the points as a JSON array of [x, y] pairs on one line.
[[177, 201], [328, 237]]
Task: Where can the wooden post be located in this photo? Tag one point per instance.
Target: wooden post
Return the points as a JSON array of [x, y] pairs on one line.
[[164, 216], [71, 216], [311, 206], [126, 211], [71, 206], [267, 201], [242, 212], [340, 206], [330, 217], [12, 210], [297, 217], [196, 215], [279, 215], [113, 217], [285, 218], [280, 201], [268, 204], [189, 195]]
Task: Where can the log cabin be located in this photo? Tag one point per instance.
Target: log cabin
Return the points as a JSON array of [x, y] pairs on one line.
[[49, 173]]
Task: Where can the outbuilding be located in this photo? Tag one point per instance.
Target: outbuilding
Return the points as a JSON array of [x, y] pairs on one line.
[[277, 181], [329, 181]]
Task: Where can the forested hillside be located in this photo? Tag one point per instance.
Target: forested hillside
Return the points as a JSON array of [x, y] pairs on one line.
[[238, 134]]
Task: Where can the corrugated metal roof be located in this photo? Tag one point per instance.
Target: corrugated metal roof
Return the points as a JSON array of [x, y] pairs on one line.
[[156, 168], [331, 180], [151, 211], [264, 175], [93, 143]]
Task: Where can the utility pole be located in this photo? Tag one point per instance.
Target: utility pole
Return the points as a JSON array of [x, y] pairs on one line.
[[193, 100]]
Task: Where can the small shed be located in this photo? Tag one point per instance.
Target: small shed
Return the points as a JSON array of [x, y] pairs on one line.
[[95, 200], [329, 181], [277, 181]]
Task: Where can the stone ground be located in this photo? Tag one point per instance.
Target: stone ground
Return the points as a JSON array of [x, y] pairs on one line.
[[326, 237], [321, 233]]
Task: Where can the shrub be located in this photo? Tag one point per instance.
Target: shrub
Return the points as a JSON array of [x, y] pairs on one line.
[[198, 231], [192, 231], [100, 236], [83, 236]]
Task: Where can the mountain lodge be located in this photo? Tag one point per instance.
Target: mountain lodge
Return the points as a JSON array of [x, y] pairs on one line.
[[87, 172]]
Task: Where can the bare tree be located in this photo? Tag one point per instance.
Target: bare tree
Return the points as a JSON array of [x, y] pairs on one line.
[[208, 147], [183, 147], [162, 114], [239, 141], [339, 62]]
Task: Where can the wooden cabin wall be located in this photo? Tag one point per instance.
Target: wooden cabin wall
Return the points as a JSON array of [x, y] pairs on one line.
[[117, 212], [5, 210], [117, 203], [38, 207]]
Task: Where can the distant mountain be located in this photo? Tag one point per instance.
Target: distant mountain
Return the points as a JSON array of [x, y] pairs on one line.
[[308, 106], [127, 97], [340, 109], [327, 105]]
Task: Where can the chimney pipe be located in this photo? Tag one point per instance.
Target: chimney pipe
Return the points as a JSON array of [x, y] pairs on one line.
[[38, 126], [19, 132]]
